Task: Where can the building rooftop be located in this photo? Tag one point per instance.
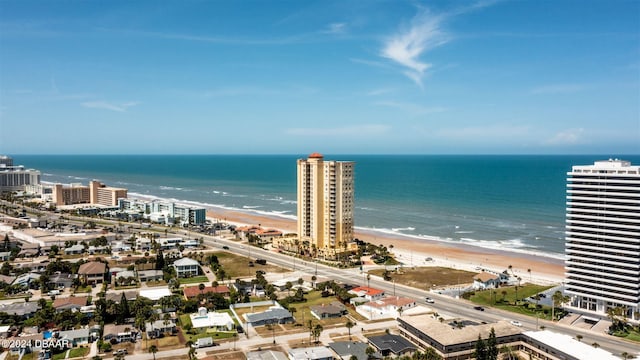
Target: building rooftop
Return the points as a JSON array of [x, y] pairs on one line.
[[570, 346], [346, 349], [446, 334], [316, 155], [76, 301], [394, 343], [192, 291], [92, 267]]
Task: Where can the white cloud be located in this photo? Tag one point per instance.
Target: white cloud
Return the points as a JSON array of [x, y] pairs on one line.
[[411, 108], [567, 137], [377, 92], [558, 89], [336, 28], [109, 106], [408, 46], [358, 130]]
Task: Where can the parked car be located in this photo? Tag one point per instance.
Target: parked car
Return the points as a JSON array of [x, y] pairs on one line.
[[120, 352]]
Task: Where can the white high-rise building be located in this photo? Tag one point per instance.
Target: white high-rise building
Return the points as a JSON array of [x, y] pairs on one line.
[[16, 178], [603, 237], [325, 202]]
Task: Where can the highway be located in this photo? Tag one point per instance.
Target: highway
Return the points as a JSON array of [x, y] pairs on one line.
[[442, 304]]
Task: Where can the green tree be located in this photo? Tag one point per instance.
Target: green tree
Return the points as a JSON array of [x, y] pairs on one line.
[[349, 325], [492, 346], [123, 309], [481, 349], [153, 349], [159, 260]]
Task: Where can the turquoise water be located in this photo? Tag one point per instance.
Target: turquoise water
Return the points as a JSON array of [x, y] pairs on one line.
[[501, 202]]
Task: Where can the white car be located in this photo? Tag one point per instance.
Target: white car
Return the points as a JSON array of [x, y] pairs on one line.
[[515, 323], [429, 300]]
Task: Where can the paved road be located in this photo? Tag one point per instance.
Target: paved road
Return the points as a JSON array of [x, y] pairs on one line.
[[443, 304]]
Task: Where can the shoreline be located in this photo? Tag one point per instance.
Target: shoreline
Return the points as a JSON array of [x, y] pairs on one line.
[[544, 269]]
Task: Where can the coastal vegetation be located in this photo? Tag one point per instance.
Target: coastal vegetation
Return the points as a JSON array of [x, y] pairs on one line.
[[428, 277], [516, 299]]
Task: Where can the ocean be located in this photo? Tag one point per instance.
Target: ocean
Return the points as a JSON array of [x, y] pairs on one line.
[[502, 202]]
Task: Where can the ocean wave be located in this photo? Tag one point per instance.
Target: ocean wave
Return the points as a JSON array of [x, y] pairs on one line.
[[464, 232], [403, 229], [170, 188], [513, 245], [250, 207]]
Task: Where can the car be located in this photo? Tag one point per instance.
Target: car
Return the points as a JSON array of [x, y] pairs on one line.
[[225, 247], [479, 308], [429, 300], [120, 352], [515, 323]]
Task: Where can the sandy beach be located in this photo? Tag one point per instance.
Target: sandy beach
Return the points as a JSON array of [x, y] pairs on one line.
[[543, 269]]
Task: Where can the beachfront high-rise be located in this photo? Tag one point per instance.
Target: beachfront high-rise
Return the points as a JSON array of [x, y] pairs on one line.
[[325, 202], [603, 237]]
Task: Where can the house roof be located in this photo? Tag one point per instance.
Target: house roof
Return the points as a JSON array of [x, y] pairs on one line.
[[394, 301], [394, 343], [21, 308], [265, 355], [363, 290], [76, 301], [311, 353], [92, 267], [185, 262], [346, 349], [193, 291], [74, 334], [485, 276], [316, 155], [112, 329], [333, 308], [271, 314]]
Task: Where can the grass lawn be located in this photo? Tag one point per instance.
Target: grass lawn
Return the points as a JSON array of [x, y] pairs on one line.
[[236, 266], [185, 320], [303, 311], [631, 335], [215, 335], [504, 298], [428, 276], [195, 280], [164, 343]]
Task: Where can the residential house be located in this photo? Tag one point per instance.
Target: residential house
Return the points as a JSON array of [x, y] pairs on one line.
[[73, 303], [92, 250], [157, 328], [311, 353], [389, 307], [77, 249], [7, 279], [264, 355], [204, 319], [62, 281], [93, 272], [27, 281], [275, 315], [116, 297], [486, 280], [326, 311], [75, 337], [5, 255], [368, 293], [120, 333], [346, 349], [192, 291], [186, 267], [392, 345], [23, 309], [150, 275]]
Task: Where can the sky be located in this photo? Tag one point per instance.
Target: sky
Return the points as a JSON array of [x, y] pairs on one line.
[[336, 77]]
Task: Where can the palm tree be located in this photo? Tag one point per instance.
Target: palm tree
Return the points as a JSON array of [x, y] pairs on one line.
[[153, 349], [579, 337], [201, 288], [349, 325]]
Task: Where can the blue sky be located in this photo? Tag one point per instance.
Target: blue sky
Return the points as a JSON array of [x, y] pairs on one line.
[[350, 77]]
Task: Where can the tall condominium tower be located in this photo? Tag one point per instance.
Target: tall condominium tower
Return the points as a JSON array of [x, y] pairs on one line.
[[325, 202], [603, 237]]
